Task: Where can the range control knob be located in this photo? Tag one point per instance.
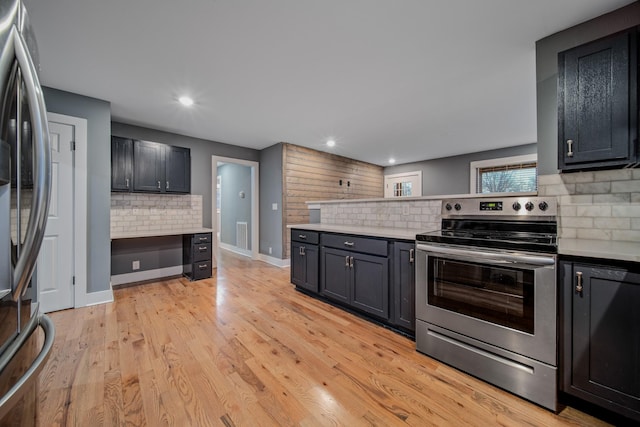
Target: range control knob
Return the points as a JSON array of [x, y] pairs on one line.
[[529, 206], [448, 206], [543, 206], [457, 206], [516, 206]]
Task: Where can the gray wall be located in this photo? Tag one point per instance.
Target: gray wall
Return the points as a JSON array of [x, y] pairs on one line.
[[547, 51], [201, 152], [270, 193], [98, 116], [450, 175], [235, 179]]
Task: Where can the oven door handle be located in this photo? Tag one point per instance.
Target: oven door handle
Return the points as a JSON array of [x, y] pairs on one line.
[[496, 257]]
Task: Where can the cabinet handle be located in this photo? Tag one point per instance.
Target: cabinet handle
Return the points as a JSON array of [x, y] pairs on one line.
[[350, 244], [302, 253], [411, 255], [350, 262], [126, 182], [302, 236], [346, 261], [167, 185], [203, 239], [202, 248], [202, 266], [579, 281], [159, 185], [569, 147]]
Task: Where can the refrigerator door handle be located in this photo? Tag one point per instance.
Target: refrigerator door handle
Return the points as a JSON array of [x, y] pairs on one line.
[[42, 168], [17, 390]]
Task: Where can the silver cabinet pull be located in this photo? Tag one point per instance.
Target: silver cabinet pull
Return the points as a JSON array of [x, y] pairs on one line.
[[202, 266], [167, 185], [302, 236], [350, 262], [301, 251], [579, 281], [202, 248], [346, 261], [203, 239], [304, 250], [126, 182], [159, 185], [349, 244], [412, 255], [569, 147]]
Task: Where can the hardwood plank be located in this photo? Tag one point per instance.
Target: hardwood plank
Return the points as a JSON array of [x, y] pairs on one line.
[[244, 348]]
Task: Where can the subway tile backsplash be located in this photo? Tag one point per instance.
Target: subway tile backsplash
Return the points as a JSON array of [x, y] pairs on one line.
[[155, 212], [601, 205], [408, 214]]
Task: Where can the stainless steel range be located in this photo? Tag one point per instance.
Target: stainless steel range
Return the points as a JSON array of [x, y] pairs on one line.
[[486, 293]]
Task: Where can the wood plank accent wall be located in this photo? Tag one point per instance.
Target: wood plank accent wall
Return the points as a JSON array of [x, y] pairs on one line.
[[314, 175]]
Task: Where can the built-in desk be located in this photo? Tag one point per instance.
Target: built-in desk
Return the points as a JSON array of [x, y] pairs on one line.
[[147, 255]]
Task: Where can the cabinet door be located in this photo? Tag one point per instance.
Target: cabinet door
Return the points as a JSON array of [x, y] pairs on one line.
[[148, 166], [121, 164], [335, 274], [597, 105], [370, 284], [298, 265], [604, 330], [404, 285], [177, 169]]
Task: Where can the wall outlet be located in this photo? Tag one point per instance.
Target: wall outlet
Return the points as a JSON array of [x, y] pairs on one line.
[[274, 206], [270, 250], [135, 265]]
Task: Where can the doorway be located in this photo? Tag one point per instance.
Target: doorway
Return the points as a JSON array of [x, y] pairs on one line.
[[235, 210]]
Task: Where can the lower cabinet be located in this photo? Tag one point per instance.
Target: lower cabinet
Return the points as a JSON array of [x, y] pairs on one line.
[[600, 345], [404, 285], [304, 266], [196, 256]]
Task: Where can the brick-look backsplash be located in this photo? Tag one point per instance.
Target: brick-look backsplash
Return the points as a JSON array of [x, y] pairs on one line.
[[409, 214], [601, 205], [155, 212]]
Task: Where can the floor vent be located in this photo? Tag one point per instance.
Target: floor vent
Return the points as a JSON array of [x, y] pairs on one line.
[[242, 238]]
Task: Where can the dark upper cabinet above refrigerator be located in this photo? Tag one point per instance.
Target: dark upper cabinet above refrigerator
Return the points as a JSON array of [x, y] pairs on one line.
[[149, 167], [597, 103]]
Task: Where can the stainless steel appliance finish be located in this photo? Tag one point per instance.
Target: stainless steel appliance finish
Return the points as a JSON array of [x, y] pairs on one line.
[[24, 198], [486, 293]]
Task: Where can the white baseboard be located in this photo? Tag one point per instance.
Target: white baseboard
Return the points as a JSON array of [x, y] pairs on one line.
[[275, 261], [140, 276], [95, 298], [235, 249]]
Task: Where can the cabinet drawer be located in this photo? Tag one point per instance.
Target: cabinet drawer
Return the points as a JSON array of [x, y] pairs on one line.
[[201, 252], [353, 243], [306, 236], [201, 270], [201, 238]]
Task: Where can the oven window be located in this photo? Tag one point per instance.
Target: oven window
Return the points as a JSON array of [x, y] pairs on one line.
[[500, 295]]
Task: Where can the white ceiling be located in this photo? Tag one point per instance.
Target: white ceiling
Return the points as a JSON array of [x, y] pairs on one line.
[[409, 79]]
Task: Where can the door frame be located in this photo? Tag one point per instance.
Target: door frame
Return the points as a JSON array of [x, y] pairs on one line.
[[79, 174], [255, 199]]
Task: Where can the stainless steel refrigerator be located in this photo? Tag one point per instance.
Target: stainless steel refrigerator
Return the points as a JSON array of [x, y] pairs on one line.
[[24, 197]]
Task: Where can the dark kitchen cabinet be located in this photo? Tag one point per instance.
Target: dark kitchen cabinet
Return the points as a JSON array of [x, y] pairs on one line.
[[600, 344], [404, 285], [121, 164], [149, 167], [597, 103], [196, 256], [355, 271], [304, 259]]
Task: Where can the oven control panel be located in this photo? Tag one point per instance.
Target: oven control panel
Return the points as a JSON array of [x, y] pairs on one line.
[[500, 206]]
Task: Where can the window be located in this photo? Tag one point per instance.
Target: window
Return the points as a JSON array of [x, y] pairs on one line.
[[505, 175], [408, 184]]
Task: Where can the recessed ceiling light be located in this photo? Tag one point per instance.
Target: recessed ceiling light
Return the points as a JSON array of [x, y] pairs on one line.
[[186, 101], [331, 143], [392, 160]]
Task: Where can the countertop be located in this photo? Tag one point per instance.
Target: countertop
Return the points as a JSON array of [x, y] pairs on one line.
[[605, 249], [389, 233], [157, 233]]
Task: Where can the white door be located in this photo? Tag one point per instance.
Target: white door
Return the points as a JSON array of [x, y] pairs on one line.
[[55, 261]]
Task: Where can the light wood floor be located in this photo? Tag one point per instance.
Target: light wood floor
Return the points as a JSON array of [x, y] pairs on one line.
[[245, 349]]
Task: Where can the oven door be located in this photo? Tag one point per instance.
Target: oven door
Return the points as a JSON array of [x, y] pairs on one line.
[[504, 299]]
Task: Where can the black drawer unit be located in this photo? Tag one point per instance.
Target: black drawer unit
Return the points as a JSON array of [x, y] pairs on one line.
[[367, 245], [305, 236], [196, 256]]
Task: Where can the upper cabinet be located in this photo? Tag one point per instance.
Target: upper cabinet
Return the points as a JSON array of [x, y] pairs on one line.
[[597, 103], [149, 167]]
